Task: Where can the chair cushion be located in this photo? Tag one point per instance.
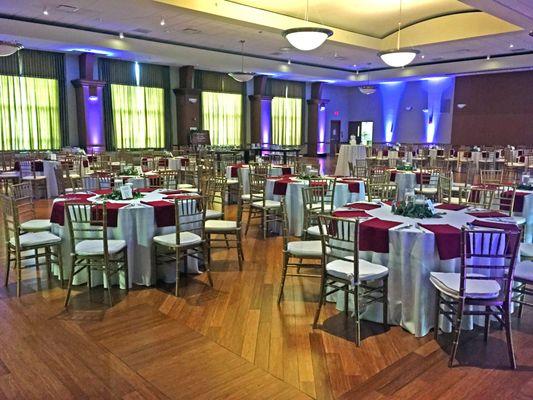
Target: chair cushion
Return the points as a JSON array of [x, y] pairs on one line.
[[10, 174], [245, 197], [232, 181], [449, 282], [36, 225], [367, 271], [268, 204], [524, 271], [213, 214], [33, 178], [526, 249], [314, 230], [305, 248], [186, 239], [519, 220], [190, 190], [184, 186], [427, 190], [36, 239], [95, 247], [218, 225]]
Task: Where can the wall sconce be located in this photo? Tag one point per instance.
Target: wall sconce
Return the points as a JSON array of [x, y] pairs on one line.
[[193, 100], [408, 108], [461, 105], [322, 107], [93, 93], [425, 110]]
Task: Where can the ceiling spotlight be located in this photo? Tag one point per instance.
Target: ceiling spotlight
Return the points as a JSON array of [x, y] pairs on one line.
[[45, 10], [307, 38], [121, 35], [162, 23], [488, 57], [398, 57], [289, 62], [511, 46], [422, 56]]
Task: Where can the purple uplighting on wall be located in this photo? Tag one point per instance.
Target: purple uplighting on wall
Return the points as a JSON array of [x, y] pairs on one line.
[[266, 127], [437, 90], [94, 119], [321, 145]]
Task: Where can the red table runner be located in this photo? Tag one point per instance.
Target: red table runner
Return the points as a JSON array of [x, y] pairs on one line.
[[235, 168], [487, 214], [164, 212], [351, 214], [374, 235], [363, 206], [280, 186], [447, 238], [57, 215]]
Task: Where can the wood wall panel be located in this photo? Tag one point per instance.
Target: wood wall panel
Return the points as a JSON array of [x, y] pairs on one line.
[[499, 109]]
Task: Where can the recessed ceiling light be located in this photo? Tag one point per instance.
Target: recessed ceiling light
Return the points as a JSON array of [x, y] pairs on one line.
[[488, 57], [162, 22], [121, 35], [422, 56], [355, 65], [45, 10], [191, 31], [511, 46], [289, 61]]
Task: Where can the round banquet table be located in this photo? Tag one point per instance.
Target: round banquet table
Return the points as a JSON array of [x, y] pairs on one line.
[[294, 199], [137, 223], [349, 153], [232, 173], [411, 254], [405, 182]]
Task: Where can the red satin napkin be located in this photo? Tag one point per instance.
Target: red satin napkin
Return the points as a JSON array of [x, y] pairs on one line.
[[286, 170], [363, 206], [487, 214], [57, 216], [447, 238], [280, 186], [102, 191], [374, 235], [451, 207], [351, 214], [235, 168], [353, 185], [497, 225], [145, 190], [112, 212], [164, 212], [392, 177]]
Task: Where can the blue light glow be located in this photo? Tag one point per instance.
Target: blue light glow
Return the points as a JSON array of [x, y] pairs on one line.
[[391, 94], [436, 88], [93, 51], [137, 73]]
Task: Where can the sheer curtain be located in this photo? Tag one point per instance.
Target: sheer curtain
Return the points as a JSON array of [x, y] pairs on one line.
[[138, 116], [29, 113], [222, 117], [286, 121]]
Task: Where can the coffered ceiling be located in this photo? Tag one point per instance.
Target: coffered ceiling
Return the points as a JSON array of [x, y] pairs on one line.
[[453, 36]]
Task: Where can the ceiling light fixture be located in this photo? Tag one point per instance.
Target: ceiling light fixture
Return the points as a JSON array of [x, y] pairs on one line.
[[162, 23], [242, 76], [307, 38], [45, 10], [121, 35], [398, 57], [488, 57], [8, 48], [511, 46], [368, 88]]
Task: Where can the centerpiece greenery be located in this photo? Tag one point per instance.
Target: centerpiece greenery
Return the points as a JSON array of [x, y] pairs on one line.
[[130, 171], [525, 187], [412, 210], [116, 195], [307, 176], [405, 168]]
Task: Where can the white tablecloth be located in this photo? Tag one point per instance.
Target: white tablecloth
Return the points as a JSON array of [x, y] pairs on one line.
[[136, 225], [51, 182], [527, 213], [295, 205], [405, 182], [412, 256], [349, 153], [276, 170]]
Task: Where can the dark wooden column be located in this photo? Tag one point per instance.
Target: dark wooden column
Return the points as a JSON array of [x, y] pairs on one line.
[[187, 105], [260, 112], [316, 121]]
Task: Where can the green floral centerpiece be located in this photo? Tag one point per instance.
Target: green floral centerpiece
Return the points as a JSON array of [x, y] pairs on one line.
[[414, 210], [525, 187], [308, 176], [116, 195], [405, 167], [130, 171]]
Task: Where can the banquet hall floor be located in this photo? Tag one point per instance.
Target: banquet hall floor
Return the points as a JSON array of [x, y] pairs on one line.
[[233, 341]]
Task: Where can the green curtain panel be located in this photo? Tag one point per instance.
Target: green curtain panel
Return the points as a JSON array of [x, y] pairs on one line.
[[286, 121], [138, 116], [222, 117], [284, 88], [117, 72], [29, 113], [211, 81]]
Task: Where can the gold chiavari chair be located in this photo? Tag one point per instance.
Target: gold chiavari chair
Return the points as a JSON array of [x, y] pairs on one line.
[[90, 247], [189, 240], [444, 190], [378, 185], [480, 196], [261, 207], [168, 179], [28, 172], [22, 194], [260, 168], [427, 180], [19, 242], [491, 176], [298, 254], [216, 192], [229, 230], [313, 201], [343, 270]]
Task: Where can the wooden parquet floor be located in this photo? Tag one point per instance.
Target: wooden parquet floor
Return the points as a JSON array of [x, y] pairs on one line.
[[232, 341]]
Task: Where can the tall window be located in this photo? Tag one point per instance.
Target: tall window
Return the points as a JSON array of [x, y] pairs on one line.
[[286, 121], [138, 116], [29, 113], [222, 117]]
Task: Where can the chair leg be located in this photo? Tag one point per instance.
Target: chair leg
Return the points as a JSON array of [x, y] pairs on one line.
[[248, 222], [240, 254], [283, 276], [126, 271], [8, 266], [356, 315], [106, 274], [18, 269], [456, 331], [522, 298], [207, 264], [487, 324], [437, 316], [386, 302], [176, 287], [59, 258], [264, 217], [70, 279], [323, 282], [509, 336], [48, 262]]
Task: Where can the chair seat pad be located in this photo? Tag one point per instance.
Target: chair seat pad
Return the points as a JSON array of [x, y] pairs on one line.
[[74, 176], [367, 271], [95, 247], [314, 230], [36, 225], [449, 282], [186, 239], [232, 181], [519, 220], [36, 239], [213, 214], [526, 250], [246, 197], [33, 178], [268, 204], [190, 190], [524, 271], [184, 186], [219, 225], [305, 248], [427, 190], [10, 174]]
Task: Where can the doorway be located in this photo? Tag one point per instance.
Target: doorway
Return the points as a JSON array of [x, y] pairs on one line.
[[334, 136], [362, 130]]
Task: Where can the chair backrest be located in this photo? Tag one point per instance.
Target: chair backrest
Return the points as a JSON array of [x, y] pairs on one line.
[[60, 180], [481, 196], [257, 188], [87, 221], [491, 176], [27, 168], [314, 198], [11, 220], [504, 198], [284, 224], [190, 216], [444, 189], [22, 195], [261, 168], [216, 193], [378, 185], [329, 185], [168, 179], [489, 254], [340, 238]]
